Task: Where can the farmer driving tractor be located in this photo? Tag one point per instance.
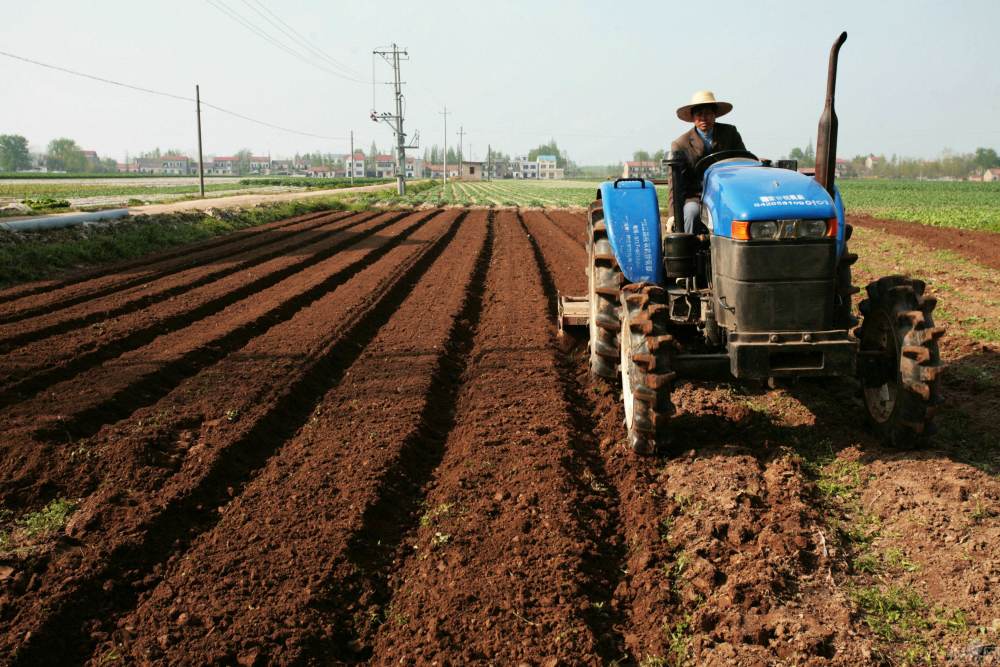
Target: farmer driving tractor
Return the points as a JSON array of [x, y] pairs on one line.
[[705, 138]]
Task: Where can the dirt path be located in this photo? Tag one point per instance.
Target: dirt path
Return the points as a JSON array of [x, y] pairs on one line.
[[355, 438]]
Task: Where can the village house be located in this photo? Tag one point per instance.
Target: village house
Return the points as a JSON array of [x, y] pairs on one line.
[[222, 166], [321, 171], [640, 169], [167, 165], [548, 167], [385, 166], [471, 171], [437, 170], [522, 167], [260, 165], [991, 175], [356, 166]]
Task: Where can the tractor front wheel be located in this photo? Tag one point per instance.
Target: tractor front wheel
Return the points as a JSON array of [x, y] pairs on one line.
[[604, 279], [646, 364], [902, 392]]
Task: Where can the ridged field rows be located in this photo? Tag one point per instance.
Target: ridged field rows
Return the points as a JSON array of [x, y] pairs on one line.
[[157, 477], [354, 470], [174, 341], [508, 560]]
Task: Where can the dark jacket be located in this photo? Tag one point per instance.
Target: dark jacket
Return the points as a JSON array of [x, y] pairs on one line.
[[724, 138]]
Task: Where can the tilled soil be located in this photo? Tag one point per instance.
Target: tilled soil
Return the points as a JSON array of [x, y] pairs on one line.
[[356, 438]]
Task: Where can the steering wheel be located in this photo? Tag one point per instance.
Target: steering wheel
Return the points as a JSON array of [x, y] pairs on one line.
[[702, 165]]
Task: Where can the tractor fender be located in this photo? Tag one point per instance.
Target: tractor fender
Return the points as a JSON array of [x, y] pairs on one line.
[[838, 204], [632, 217]]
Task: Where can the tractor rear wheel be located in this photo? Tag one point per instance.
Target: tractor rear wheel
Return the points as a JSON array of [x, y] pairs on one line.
[[604, 279], [902, 395], [646, 363]]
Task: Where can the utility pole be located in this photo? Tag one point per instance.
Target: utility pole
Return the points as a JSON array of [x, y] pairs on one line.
[[393, 57], [350, 160], [445, 172], [489, 162], [201, 161], [461, 156]]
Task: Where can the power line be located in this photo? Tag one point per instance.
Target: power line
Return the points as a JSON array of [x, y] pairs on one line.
[[304, 41], [161, 93], [96, 78], [234, 15]]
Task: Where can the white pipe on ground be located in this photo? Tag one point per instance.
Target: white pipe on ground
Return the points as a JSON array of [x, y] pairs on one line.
[[62, 220]]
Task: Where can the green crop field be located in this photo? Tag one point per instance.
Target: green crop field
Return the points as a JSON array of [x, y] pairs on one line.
[[960, 204], [948, 204], [541, 194], [64, 190]]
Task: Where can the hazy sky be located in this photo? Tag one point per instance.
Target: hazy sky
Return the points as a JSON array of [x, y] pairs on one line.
[[601, 78]]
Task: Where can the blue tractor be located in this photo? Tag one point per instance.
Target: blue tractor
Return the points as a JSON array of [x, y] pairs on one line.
[[764, 294]]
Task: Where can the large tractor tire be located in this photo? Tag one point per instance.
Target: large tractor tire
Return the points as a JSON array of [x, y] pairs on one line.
[[646, 358], [904, 395], [604, 280], [842, 316]]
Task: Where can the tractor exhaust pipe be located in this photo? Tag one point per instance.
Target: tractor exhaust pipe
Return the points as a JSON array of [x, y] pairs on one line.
[[826, 142]]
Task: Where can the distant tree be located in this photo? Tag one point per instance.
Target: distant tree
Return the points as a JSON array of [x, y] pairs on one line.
[[108, 166], [65, 155], [809, 155], [153, 154], [14, 154], [550, 148], [243, 160], [640, 156], [986, 158], [452, 155]]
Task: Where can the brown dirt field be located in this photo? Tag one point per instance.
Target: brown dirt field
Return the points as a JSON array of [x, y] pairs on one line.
[[981, 247], [356, 439]]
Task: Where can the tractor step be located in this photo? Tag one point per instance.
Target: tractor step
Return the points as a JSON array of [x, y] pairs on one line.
[[574, 311]]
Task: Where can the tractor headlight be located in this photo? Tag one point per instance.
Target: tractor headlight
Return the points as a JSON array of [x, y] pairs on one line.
[[775, 230], [811, 229], [767, 229]]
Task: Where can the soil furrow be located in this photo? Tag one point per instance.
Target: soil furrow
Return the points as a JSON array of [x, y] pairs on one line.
[[497, 571], [123, 302], [86, 275], [35, 367], [352, 461], [78, 290], [129, 537], [559, 265], [79, 407], [572, 225]]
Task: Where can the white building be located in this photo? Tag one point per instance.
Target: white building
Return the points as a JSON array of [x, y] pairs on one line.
[[548, 167]]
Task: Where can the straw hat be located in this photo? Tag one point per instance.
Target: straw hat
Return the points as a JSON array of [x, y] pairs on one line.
[[703, 97]]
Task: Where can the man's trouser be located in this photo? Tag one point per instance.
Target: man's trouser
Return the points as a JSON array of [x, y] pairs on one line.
[[692, 212]]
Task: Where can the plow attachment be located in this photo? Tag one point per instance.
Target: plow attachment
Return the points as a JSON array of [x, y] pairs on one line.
[[574, 311]]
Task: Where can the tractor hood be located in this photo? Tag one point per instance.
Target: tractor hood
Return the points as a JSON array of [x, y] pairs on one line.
[[747, 190]]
